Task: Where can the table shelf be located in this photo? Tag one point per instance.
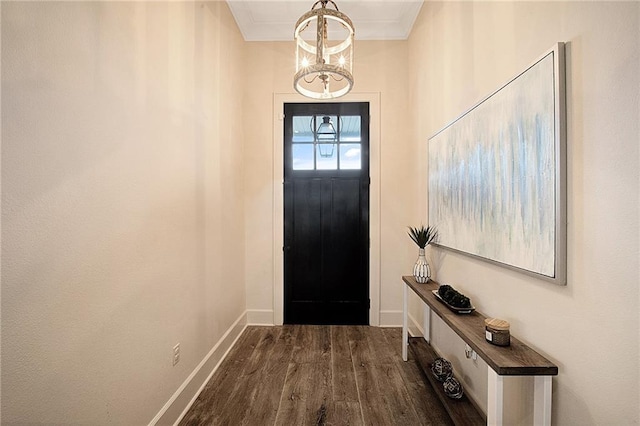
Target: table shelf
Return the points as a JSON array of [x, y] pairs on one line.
[[461, 411]]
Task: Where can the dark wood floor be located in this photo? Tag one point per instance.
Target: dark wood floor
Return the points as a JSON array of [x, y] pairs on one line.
[[317, 375]]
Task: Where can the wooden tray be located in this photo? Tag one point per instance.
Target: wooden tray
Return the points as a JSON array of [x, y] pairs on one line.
[[453, 308]]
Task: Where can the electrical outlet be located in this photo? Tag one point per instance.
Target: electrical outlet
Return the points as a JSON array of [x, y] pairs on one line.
[[176, 354]]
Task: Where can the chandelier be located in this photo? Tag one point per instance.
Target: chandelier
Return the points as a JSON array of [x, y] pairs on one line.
[[324, 52]]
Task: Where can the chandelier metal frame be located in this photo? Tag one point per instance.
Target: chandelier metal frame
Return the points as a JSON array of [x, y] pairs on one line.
[[323, 63]]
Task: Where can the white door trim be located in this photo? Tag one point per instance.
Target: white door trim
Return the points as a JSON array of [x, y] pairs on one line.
[[279, 99]]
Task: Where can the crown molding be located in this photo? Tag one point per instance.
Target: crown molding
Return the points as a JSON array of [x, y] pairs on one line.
[[263, 20]]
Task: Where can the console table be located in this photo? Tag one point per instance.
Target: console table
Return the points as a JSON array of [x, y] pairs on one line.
[[517, 359]]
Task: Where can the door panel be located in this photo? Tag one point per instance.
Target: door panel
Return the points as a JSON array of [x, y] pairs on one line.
[[326, 206], [305, 239], [343, 254]]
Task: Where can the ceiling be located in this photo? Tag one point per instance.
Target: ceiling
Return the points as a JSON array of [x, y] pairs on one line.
[[267, 20]]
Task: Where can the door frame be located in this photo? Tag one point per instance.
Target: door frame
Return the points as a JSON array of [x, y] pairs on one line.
[[279, 99]]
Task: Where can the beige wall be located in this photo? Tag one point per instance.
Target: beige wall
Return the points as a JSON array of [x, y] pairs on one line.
[[380, 68], [461, 52], [122, 214]]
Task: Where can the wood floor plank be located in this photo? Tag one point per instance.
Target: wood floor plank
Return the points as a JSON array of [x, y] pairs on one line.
[[343, 413], [262, 352], [249, 382], [379, 347], [256, 398], [340, 336], [370, 390], [246, 344], [282, 353], [265, 402], [312, 343], [344, 387], [370, 393], [393, 335], [396, 395], [370, 345], [306, 394]]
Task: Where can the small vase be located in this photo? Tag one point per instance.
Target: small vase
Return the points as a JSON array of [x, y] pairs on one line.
[[421, 270]]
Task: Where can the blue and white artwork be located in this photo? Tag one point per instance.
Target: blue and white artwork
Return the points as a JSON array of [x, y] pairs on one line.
[[492, 175]]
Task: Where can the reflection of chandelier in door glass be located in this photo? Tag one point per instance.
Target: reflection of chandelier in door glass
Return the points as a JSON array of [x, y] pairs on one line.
[[326, 137]]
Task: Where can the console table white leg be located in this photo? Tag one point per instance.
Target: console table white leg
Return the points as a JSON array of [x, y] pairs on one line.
[[542, 401], [494, 398], [405, 328], [426, 323]]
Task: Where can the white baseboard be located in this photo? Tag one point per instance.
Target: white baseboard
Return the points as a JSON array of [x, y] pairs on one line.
[[394, 319], [415, 329], [180, 402], [260, 317], [265, 317], [390, 318]]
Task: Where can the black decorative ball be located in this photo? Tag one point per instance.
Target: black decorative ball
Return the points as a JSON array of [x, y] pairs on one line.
[[441, 369], [453, 388]]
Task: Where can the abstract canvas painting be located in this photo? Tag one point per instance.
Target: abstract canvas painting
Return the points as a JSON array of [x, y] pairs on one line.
[[496, 174]]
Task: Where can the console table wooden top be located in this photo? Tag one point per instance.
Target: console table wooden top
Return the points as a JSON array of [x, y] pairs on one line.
[[518, 359]]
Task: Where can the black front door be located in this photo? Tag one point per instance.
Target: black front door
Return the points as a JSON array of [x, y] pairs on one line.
[[326, 213]]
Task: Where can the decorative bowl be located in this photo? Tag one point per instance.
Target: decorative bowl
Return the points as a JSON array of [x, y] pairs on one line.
[[453, 388], [441, 369]]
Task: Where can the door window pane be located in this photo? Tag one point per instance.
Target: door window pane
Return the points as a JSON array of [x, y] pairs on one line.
[[302, 156], [326, 156], [350, 156], [302, 129], [350, 128]]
